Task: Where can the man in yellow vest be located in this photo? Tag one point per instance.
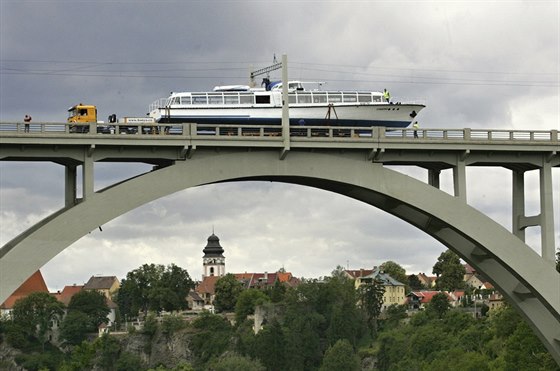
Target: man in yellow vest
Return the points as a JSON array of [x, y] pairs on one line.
[[386, 95], [415, 127]]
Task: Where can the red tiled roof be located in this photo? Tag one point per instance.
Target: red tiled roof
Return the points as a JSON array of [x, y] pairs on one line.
[[67, 292], [426, 296], [208, 285], [256, 279], [284, 277], [35, 283]]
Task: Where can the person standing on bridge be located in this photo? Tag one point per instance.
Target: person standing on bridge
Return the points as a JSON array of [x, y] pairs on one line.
[[27, 120], [415, 127], [386, 95]]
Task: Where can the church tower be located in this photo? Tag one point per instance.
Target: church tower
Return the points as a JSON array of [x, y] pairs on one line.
[[213, 261]]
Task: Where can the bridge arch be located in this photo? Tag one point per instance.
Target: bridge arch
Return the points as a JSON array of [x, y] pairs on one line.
[[529, 282]]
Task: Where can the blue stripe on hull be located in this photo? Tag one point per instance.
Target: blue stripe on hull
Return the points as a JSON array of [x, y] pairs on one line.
[[224, 120]]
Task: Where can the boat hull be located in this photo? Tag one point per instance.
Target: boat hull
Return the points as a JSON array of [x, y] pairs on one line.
[[391, 115]]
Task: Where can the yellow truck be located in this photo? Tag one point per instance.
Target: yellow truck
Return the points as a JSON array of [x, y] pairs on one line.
[[81, 116]]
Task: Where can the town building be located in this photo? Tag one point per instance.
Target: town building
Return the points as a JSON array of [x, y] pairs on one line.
[[213, 261], [214, 267], [35, 283], [394, 290], [107, 285]]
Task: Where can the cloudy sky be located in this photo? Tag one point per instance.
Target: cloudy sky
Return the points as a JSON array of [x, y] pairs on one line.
[[477, 64]]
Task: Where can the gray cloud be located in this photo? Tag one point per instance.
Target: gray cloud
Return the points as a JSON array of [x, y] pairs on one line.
[[480, 65]]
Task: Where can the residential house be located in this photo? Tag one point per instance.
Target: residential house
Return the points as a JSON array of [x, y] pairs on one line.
[[107, 285], [68, 292], [428, 281], [419, 299], [196, 303], [495, 301], [206, 289], [394, 290], [469, 272]]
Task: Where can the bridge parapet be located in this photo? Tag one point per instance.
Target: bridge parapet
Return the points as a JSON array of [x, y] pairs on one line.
[[316, 133]]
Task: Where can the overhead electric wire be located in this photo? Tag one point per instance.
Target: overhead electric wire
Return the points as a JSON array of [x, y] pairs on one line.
[[413, 75]]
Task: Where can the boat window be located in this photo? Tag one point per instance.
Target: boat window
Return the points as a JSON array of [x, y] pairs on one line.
[[215, 98], [246, 98], [186, 100], [231, 98], [176, 100], [364, 98], [292, 98], [350, 97], [199, 99], [304, 98], [320, 98], [262, 99], [377, 99], [335, 98]]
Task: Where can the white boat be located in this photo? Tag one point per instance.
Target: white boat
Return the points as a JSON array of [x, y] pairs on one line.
[[240, 104]]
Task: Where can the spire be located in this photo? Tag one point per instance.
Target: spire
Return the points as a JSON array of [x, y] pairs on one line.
[[213, 247]]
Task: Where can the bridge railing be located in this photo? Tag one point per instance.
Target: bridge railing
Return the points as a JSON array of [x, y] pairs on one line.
[[269, 131]]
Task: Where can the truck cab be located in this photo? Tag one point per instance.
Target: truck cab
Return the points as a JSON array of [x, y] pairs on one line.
[[81, 114]]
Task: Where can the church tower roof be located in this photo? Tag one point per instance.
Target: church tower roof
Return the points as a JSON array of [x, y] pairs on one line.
[[213, 247]]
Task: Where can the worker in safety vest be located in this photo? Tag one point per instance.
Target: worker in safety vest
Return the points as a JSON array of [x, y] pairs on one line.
[[386, 95], [415, 127]]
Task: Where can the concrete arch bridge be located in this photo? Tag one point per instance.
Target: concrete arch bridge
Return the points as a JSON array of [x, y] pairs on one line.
[[351, 162]]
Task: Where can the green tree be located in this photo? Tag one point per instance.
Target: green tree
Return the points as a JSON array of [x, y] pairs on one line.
[[75, 327], [227, 290], [343, 324], [414, 282], [87, 310], [303, 339], [277, 292], [129, 362], [234, 362], [247, 302], [449, 271], [171, 324], [270, 347], [154, 287], [394, 315], [439, 304], [340, 356], [524, 351], [36, 314], [212, 337], [371, 302], [108, 350], [395, 271], [81, 358], [91, 303]]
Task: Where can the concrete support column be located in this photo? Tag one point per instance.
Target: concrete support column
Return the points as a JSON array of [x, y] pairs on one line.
[[87, 177], [433, 177], [518, 204], [70, 185], [460, 180], [547, 213]]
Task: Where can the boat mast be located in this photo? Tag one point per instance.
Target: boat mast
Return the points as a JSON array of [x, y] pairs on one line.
[[266, 70]]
